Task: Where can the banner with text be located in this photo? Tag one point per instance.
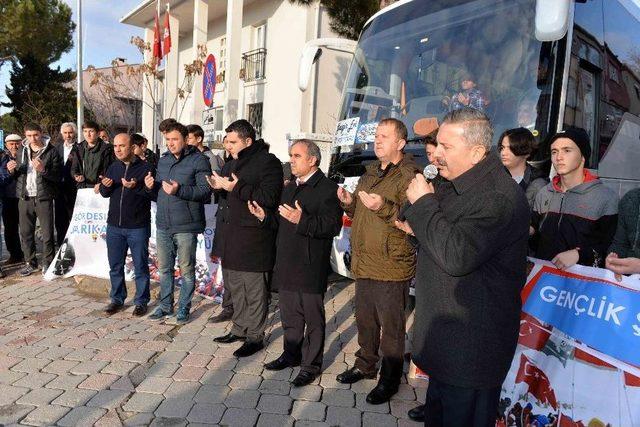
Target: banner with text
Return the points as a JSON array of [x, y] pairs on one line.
[[578, 355], [84, 250]]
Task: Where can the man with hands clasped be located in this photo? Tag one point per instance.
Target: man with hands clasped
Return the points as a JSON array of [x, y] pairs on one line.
[[128, 224], [247, 249], [383, 262], [180, 189], [308, 218]]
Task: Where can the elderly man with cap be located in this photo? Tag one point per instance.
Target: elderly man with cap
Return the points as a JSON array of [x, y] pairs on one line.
[[9, 201], [574, 216]]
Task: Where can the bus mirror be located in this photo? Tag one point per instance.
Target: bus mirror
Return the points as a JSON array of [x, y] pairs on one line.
[[552, 19], [313, 50]]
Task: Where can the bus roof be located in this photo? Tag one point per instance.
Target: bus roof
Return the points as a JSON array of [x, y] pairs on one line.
[[387, 9]]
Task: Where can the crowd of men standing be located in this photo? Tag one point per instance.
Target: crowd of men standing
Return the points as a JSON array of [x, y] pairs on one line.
[[464, 236]]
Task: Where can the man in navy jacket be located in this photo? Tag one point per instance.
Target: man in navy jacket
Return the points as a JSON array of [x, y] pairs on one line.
[[181, 190], [128, 223]]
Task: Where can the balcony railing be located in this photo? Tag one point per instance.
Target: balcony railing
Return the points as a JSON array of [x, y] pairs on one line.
[[253, 65]]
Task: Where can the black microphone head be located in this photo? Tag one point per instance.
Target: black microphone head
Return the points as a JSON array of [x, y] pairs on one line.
[[430, 171]]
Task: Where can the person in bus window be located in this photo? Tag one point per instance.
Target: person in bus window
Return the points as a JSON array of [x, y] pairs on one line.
[[515, 147], [624, 252], [469, 96], [574, 216]]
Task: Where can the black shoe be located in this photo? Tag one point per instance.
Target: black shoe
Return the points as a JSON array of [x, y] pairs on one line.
[[279, 364], [228, 339], [2, 274], [353, 375], [113, 308], [303, 378], [417, 414], [12, 261], [225, 316], [382, 393], [140, 310], [249, 348], [27, 270]]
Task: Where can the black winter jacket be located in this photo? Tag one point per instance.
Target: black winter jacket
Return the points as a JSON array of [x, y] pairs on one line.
[[91, 162], [471, 268], [128, 207], [48, 181], [303, 249], [247, 245]]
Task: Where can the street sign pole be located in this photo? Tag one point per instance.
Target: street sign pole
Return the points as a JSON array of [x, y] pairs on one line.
[[79, 89]]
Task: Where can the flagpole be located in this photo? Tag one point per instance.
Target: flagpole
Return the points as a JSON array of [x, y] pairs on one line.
[[166, 63], [79, 72]]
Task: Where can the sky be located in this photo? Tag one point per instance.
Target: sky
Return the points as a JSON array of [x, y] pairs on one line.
[[105, 38]]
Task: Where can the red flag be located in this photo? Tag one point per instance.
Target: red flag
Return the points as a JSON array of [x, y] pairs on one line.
[[566, 421], [157, 45], [631, 380], [166, 35], [539, 384], [532, 332], [589, 358]]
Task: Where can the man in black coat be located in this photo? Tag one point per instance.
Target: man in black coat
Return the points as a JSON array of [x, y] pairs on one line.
[[472, 230], [308, 219], [66, 200], [94, 158], [37, 170], [248, 248]]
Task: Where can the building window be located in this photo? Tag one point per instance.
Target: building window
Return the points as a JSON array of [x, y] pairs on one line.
[[255, 117], [613, 73], [260, 36], [222, 60]]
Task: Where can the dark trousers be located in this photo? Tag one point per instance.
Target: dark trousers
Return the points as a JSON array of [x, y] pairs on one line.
[[31, 210], [380, 320], [119, 240], [64, 204], [452, 406], [302, 346], [227, 302], [249, 297], [10, 218]]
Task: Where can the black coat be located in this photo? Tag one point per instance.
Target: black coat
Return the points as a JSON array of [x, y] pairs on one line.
[[221, 212], [128, 207], [48, 182], [246, 244], [67, 181], [471, 267], [91, 162], [303, 249]]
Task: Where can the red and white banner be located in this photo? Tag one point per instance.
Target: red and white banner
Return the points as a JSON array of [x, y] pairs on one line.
[[564, 374]]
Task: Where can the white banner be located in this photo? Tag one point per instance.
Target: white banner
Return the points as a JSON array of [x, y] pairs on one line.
[[84, 250]]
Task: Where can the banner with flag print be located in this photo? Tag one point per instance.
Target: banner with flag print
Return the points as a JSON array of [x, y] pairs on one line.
[[577, 362]]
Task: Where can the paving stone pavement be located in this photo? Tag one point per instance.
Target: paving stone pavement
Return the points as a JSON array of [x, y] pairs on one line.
[[64, 362]]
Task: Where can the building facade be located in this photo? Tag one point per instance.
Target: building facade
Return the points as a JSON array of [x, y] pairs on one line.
[[257, 46]]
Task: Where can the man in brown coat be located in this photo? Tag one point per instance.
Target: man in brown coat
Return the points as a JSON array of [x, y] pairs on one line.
[[383, 261]]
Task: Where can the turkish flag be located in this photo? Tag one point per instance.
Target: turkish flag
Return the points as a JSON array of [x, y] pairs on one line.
[[589, 358], [566, 421], [631, 380], [539, 384], [157, 45], [533, 334], [166, 35]]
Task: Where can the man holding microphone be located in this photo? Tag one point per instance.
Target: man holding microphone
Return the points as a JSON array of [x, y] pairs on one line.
[[472, 230]]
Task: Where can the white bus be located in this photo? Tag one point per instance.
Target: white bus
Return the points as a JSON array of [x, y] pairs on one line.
[[540, 64]]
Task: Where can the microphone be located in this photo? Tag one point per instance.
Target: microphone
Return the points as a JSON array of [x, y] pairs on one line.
[[430, 172]]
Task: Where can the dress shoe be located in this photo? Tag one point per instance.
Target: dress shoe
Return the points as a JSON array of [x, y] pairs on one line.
[[224, 316], [353, 375], [140, 310], [417, 414], [228, 339], [113, 308], [249, 348], [303, 378], [2, 274], [13, 261], [381, 393], [279, 364]]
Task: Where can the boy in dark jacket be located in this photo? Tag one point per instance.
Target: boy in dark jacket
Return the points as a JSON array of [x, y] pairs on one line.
[[93, 158], [37, 170], [128, 224], [181, 190], [575, 215]]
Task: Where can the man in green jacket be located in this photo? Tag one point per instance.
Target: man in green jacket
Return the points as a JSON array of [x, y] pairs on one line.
[[383, 261]]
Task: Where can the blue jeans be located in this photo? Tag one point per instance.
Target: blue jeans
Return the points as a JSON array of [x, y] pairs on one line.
[[0, 233], [118, 241], [183, 245]]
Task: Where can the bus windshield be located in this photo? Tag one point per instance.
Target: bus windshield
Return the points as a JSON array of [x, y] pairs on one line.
[[423, 59]]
